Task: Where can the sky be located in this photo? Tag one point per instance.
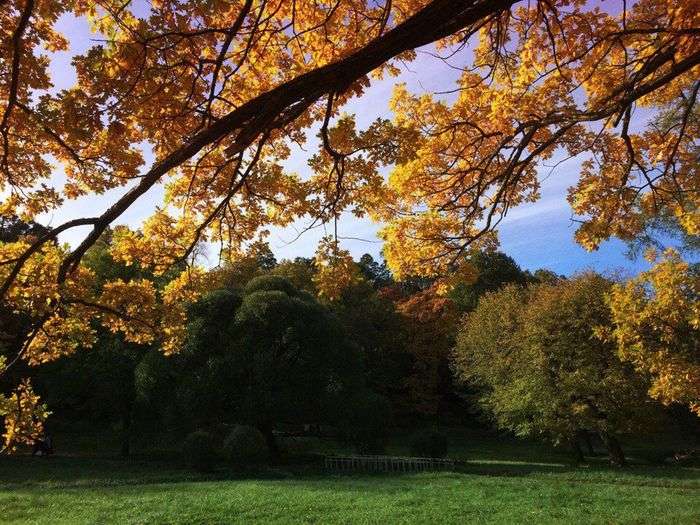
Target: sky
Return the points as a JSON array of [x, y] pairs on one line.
[[536, 235]]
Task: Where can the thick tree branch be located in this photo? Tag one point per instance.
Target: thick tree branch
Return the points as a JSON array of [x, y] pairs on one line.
[[437, 20], [17, 51]]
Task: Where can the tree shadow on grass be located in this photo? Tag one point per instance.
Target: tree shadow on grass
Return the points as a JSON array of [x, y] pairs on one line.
[[75, 472], [593, 472]]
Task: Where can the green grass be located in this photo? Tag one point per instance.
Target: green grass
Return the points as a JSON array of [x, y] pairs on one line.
[[504, 481]]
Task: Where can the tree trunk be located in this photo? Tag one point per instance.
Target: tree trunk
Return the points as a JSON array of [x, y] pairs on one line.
[[615, 453], [126, 432], [586, 437], [576, 450], [272, 447]]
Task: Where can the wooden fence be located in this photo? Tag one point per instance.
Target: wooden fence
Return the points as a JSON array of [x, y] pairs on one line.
[[386, 464]]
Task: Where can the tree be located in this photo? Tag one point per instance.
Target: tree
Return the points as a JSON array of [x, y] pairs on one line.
[[96, 387], [13, 228], [15, 324], [272, 356], [100, 386], [300, 272], [220, 91], [336, 270], [662, 228], [22, 410], [543, 367], [378, 274], [543, 275], [380, 333], [24, 416], [662, 231], [236, 271], [493, 270], [431, 324], [657, 328]]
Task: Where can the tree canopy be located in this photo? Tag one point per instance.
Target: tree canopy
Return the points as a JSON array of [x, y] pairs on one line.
[[544, 365], [657, 328], [272, 355]]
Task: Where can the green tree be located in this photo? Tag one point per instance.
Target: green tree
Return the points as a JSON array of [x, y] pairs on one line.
[[380, 334], [272, 355], [300, 272], [257, 260], [378, 274], [494, 270], [543, 369], [543, 275]]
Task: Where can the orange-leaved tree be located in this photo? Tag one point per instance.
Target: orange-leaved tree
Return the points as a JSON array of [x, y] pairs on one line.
[[431, 325]]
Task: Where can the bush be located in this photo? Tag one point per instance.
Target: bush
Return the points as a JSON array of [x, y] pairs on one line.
[[199, 451], [245, 446], [429, 444]]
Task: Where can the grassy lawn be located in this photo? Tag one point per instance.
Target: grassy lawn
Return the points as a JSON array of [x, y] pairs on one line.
[[499, 484]]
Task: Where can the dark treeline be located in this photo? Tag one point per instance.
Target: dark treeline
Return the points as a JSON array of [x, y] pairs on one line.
[[510, 349]]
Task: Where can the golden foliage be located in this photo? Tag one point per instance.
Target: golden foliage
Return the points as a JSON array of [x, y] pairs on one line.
[[657, 328], [335, 270], [540, 74], [24, 416], [178, 294], [130, 308], [545, 79]]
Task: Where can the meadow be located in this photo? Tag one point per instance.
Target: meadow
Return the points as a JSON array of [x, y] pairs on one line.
[[500, 480]]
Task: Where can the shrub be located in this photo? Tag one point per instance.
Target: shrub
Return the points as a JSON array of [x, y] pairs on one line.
[[245, 446], [429, 444], [199, 451]]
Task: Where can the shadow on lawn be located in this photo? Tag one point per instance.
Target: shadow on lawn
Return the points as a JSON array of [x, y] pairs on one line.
[[76, 472], [594, 472], [479, 454]]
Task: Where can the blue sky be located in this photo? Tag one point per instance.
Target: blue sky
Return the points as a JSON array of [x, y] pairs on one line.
[[538, 235]]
